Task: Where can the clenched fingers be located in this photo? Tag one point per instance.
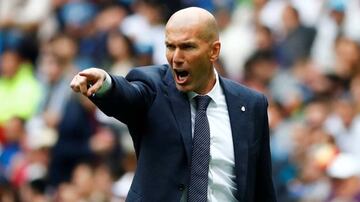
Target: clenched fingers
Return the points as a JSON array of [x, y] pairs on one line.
[[80, 84]]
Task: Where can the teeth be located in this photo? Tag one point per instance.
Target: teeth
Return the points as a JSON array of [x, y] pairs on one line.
[[181, 74], [181, 77]]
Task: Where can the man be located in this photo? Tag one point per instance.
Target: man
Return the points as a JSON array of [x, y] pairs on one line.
[[218, 152]]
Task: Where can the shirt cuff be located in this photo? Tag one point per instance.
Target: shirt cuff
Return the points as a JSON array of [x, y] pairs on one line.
[[105, 87]]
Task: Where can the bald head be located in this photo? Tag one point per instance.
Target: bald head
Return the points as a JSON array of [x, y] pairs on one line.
[[198, 19]]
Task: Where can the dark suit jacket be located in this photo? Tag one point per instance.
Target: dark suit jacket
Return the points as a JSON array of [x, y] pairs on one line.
[[159, 120]]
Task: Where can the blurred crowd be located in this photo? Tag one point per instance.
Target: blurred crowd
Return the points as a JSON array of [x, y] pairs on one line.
[[57, 146]]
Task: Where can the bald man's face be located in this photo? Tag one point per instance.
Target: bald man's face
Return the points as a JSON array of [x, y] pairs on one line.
[[191, 56]]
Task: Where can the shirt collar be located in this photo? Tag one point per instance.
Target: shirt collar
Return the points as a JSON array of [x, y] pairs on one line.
[[214, 93]]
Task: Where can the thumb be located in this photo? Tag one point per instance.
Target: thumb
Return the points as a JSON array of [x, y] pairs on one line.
[[94, 87]]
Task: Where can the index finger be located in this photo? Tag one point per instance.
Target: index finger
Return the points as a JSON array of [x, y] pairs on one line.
[[88, 74]]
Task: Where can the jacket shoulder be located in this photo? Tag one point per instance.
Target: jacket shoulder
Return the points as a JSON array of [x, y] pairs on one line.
[[242, 90], [154, 72]]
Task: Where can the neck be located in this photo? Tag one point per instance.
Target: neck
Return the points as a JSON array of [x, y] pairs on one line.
[[209, 85]]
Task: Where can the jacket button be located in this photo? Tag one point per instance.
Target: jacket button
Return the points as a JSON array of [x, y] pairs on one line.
[[181, 187]]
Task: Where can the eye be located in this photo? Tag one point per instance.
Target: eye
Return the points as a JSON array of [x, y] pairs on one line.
[[170, 46], [187, 46]]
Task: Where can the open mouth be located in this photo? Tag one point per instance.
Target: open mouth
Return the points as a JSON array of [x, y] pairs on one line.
[[181, 75]]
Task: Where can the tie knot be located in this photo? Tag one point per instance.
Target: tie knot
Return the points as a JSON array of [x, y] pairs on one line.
[[202, 102]]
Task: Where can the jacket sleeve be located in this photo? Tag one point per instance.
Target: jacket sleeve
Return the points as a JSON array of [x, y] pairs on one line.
[[128, 98], [264, 183]]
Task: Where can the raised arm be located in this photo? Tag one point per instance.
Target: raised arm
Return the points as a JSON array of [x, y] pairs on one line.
[[126, 99]]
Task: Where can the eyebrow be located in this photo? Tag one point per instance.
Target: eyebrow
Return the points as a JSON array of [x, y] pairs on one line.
[[181, 43]]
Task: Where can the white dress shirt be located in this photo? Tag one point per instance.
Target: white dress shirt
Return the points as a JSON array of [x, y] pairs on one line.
[[221, 186]]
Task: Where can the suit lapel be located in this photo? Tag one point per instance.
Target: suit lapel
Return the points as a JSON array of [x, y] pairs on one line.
[[181, 109], [239, 117]]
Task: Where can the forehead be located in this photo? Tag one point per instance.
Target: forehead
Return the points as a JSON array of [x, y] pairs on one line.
[[182, 32]]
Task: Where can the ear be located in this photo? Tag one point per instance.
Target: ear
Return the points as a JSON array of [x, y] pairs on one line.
[[215, 51]]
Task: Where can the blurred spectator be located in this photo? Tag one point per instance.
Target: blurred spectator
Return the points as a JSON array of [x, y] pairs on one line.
[[344, 125], [259, 70], [8, 193], [89, 182], [344, 172], [121, 187], [64, 49], [24, 14], [286, 89], [302, 83], [19, 24], [265, 40], [73, 146], [297, 39], [311, 183], [329, 27], [77, 16], [83, 180], [238, 36], [347, 54], [55, 70], [148, 18], [81, 138], [311, 152], [280, 127], [315, 113], [121, 49], [309, 11], [271, 14], [281, 149], [16, 83], [54, 85], [109, 18], [30, 172], [34, 191], [352, 29], [66, 192], [93, 41], [338, 19], [13, 148], [104, 179]]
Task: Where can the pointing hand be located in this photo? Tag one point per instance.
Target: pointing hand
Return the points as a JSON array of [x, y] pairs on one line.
[[88, 81]]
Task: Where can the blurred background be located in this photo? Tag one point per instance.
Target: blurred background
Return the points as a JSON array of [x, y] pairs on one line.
[[57, 146]]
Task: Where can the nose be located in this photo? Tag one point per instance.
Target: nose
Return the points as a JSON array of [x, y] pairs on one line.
[[178, 56]]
